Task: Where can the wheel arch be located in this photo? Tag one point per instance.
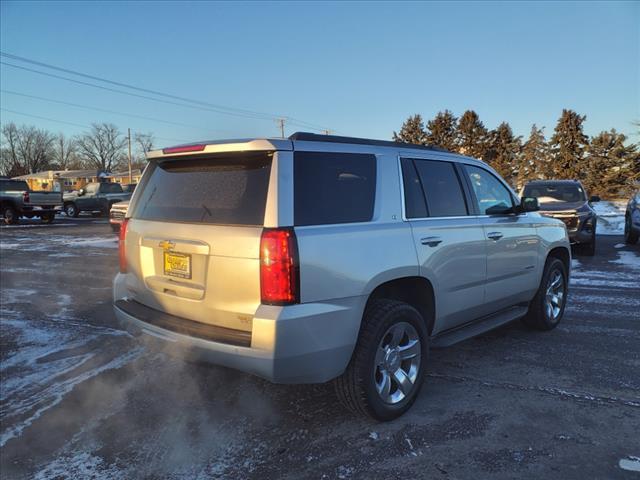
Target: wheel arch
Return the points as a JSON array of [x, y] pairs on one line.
[[414, 290], [563, 254]]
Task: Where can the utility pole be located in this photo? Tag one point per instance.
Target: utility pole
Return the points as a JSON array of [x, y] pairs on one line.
[[281, 123], [129, 139]]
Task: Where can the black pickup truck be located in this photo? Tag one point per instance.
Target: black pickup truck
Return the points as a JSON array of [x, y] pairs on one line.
[[16, 200], [94, 197]]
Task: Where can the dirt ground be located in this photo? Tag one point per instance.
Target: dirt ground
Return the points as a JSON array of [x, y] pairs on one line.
[[80, 398]]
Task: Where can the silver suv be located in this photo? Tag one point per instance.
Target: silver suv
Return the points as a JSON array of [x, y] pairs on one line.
[[321, 257]]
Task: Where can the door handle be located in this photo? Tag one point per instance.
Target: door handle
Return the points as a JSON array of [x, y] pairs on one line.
[[495, 235], [431, 241]]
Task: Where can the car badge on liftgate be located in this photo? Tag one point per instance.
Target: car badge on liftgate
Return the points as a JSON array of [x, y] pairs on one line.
[[167, 245]]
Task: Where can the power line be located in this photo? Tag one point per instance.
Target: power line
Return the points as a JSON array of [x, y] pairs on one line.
[[73, 124], [77, 105], [211, 106], [80, 82]]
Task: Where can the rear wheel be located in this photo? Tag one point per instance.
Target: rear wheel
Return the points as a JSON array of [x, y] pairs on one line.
[[48, 217], [630, 236], [547, 307], [389, 362], [71, 210], [10, 215]]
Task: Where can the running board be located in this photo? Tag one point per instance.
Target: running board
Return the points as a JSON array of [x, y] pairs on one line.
[[477, 327]]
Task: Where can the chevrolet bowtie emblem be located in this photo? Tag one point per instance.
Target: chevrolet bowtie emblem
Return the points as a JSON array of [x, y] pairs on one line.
[[167, 245]]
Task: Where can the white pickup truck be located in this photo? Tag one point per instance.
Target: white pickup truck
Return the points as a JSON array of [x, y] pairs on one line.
[[16, 200]]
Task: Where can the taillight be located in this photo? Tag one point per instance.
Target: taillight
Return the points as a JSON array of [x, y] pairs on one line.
[[121, 245], [279, 267], [25, 197]]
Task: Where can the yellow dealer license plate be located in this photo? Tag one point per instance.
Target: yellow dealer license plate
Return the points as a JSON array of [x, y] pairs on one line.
[[177, 264]]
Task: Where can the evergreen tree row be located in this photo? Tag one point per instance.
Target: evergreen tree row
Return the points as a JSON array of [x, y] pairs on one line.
[[607, 164]]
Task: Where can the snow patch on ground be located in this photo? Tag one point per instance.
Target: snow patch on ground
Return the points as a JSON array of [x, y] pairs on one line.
[[628, 259], [610, 217], [35, 244]]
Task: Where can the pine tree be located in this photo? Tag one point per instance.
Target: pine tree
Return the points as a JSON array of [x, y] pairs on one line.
[[503, 152], [442, 131], [534, 163], [568, 146], [412, 131], [472, 135], [610, 165]]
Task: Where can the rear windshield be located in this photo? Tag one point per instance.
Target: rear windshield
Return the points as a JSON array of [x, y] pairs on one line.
[[550, 193], [333, 188], [13, 185], [225, 190]]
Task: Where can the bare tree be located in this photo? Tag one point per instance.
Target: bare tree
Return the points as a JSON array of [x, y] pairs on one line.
[[103, 147], [64, 152], [11, 165], [26, 149], [144, 144]]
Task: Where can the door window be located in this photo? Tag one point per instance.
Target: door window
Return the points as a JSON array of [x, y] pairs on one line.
[[492, 196], [442, 188]]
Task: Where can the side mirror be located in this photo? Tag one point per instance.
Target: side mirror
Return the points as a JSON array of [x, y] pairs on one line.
[[594, 198], [529, 204]]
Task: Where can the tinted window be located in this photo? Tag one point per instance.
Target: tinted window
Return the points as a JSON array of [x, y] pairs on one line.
[[493, 197], [442, 188], [414, 204], [550, 193], [228, 190], [112, 188], [333, 187], [17, 185]]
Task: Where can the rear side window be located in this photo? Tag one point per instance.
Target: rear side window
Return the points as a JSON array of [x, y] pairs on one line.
[[442, 188], [9, 185], [333, 187], [226, 190]]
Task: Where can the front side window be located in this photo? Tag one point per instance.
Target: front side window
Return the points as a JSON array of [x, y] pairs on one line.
[[91, 188], [492, 196], [442, 188], [331, 188]]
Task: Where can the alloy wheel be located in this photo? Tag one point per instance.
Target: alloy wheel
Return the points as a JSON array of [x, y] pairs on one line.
[[554, 297], [397, 362]]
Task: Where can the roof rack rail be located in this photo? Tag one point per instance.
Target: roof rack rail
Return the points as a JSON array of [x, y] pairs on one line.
[[316, 137]]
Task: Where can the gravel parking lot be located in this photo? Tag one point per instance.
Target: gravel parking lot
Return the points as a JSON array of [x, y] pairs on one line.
[[81, 399]]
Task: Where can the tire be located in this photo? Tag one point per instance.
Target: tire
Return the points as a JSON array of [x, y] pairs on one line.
[[630, 236], [357, 387], [48, 218], [115, 227], [542, 315], [71, 209], [589, 249], [10, 215]]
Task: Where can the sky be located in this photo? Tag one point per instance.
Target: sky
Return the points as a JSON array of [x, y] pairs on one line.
[[356, 69]]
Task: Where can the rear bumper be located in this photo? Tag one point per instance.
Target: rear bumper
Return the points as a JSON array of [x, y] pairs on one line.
[[306, 343]]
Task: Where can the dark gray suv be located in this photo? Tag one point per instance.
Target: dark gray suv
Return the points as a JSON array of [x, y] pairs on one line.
[[567, 200]]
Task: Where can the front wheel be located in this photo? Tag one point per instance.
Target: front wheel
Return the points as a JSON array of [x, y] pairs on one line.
[[389, 362], [630, 236], [547, 307], [71, 210]]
